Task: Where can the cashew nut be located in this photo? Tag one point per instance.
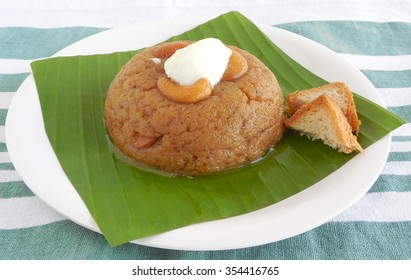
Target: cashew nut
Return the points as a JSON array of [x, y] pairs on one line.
[[237, 67], [167, 50], [185, 94]]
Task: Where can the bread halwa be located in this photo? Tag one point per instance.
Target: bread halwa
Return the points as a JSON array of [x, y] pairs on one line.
[[237, 124]]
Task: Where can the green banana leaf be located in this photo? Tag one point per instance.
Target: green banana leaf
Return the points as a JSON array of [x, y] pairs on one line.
[[129, 203]]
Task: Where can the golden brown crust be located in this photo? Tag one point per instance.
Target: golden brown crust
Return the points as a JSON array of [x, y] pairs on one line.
[[337, 91], [237, 124], [323, 119]]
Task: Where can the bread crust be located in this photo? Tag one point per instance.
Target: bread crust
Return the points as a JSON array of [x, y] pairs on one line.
[[337, 91], [323, 119]]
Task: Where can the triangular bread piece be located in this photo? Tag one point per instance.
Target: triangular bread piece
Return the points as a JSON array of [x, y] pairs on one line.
[[323, 119], [337, 91]]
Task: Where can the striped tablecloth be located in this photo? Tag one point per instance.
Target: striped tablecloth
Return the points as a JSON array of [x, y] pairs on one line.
[[375, 36]]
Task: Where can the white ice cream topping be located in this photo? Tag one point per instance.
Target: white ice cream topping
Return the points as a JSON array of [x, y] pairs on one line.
[[207, 58]]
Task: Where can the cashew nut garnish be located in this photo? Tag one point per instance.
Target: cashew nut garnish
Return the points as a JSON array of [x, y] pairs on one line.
[[143, 141], [167, 50], [185, 94], [237, 67]]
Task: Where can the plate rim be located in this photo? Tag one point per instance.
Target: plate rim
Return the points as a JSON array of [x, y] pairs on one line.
[[163, 240]]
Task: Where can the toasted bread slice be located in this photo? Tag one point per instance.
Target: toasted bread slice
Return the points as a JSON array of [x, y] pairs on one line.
[[337, 91], [323, 119]]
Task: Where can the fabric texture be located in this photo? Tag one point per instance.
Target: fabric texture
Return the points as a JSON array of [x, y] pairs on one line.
[[374, 36]]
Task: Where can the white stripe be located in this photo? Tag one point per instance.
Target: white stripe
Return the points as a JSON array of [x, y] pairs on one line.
[[394, 97], [397, 168], [404, 130], [107, 4], [400, 146], [24, 212], [14, 66], [384, 63], [9, 176], [379, 207], [4, 157], [5, 99], [50, 13]]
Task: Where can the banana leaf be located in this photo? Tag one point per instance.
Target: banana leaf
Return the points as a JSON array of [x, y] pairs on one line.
[[128, 203]]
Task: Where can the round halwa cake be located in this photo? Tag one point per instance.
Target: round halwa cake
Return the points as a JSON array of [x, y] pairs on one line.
[[237, 124]]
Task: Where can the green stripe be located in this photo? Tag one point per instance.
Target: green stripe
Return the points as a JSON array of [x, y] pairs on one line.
[[399, 156], [11, 82], [401, 138], [347, 240], [32, 43], [3, 114], [14, 189], [392, 183], [354, 37], [6, 166], [3, 147], [402, 111], [389, 79], [342, 36], [357, 37]]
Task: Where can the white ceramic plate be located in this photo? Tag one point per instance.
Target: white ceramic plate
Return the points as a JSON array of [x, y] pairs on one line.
[[37, 164]]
